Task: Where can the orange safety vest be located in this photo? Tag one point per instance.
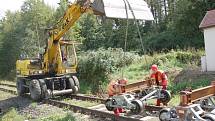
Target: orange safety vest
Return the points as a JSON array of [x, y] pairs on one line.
[[110, 88], [160, 76], [114, 88]]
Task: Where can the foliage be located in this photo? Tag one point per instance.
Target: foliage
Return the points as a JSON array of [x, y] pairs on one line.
[[95, 66], [170, 62], [91, 32], [164, 41], [178, 26], [36, 16], [23, 32], [170, 30], [174, 59], [177, 87], [183, 57], [10, 47]]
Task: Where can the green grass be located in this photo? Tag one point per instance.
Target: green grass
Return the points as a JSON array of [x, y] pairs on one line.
[[86, 87], [138, 71], [177, 87], [175, 100], [5, 95], [134, 72], [9, 88], [7, 82], [12, 115], [34, 104], [64, 117]]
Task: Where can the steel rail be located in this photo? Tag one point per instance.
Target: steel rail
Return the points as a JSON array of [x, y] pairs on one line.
[[189, 97], [103, 100], [8, 85], [137, 85], [88, 111], [88, 98], [92, 98], [8, 90]]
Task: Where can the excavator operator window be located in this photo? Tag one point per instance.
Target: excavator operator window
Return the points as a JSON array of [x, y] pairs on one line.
[[72, 55], [68, 55], [64, 53]]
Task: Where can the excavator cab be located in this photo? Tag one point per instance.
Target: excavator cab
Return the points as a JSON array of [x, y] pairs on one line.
[[68, 54], [69, 57]]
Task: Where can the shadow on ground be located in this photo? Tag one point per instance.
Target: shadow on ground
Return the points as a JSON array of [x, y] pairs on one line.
[[14, 102]]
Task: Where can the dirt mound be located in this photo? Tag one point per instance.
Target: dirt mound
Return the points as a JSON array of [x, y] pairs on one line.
[[193, 74]]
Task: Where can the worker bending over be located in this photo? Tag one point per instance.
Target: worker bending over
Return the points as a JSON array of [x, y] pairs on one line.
[[116, 87], [160, 79]]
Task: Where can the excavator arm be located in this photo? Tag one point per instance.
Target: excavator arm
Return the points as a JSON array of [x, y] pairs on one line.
[[71, 15], [53, 55]]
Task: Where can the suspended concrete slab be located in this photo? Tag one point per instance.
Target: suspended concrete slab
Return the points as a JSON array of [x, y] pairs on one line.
[[131, 9]]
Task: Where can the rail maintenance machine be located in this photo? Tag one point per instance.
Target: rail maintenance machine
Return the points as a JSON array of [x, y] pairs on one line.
[[195, 105], [136, 97], [54, 72]]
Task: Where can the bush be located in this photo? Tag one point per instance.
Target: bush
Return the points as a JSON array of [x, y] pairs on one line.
[[182, 57], [177, 87], [95, 66], [193, 57]]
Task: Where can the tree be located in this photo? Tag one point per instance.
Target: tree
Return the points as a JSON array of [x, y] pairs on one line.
[[180, 25], [91, 31], [23, 32], [36, 17], [10, 46], [187, 17]]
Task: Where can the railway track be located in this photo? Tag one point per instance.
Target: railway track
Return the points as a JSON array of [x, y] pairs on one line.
[[6, 88], [93, 112], [102, 100], [87, 111], [8, 85]]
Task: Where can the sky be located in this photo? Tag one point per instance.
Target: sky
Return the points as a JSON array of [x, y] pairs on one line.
[[14, 5]]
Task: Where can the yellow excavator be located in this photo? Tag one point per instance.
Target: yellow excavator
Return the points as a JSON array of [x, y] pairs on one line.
[[54, 72]]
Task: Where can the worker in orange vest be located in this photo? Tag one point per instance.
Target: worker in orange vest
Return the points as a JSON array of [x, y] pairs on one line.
[[160, 79], [116, 87]]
